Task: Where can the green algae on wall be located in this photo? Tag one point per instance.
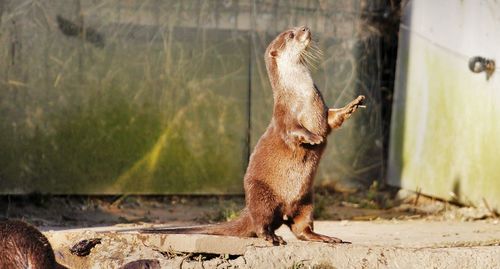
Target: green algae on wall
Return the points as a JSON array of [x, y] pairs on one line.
[[445, 135], [137, 115]]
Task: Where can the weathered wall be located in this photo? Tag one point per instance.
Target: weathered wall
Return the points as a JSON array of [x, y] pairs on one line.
[[166, 96], [445, 133]]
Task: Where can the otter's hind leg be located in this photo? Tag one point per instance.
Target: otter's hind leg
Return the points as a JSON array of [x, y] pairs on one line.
[[302, 227], [265, 212], [337, 116]]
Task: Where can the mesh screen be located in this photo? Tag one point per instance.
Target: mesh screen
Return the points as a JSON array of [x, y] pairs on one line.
[[114, 96]]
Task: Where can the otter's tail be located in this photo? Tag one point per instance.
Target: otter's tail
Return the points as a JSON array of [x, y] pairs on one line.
[[238, 227]]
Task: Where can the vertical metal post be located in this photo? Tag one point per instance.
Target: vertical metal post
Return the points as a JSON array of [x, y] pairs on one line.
[[249, 98]]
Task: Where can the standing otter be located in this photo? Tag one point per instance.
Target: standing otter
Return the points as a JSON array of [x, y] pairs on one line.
[[279, 179], [23, 246]]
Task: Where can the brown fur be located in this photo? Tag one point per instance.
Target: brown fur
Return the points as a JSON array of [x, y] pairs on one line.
[[23, 246], [279, 179]]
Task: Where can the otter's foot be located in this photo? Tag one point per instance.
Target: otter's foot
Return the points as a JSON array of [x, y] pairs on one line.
[[303, 228], [274, 239], [337, 116], [312, 236]]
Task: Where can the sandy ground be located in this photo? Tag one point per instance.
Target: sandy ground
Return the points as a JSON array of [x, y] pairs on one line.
[[402, 220]]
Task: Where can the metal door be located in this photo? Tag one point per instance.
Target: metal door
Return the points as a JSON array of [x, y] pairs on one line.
[[445, 137]]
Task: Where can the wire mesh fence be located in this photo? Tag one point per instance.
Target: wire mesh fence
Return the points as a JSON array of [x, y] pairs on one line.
[[110, 96]]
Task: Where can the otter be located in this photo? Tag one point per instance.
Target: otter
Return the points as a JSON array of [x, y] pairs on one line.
[[278, 182], [23, 246]]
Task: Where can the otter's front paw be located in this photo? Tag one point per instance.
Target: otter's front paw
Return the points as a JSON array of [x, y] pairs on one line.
[[303, 136], [312, 139]]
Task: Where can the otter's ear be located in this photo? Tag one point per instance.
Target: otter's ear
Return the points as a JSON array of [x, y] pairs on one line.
[[273, 53]]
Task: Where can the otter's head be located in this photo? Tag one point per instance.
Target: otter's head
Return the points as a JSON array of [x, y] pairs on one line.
[[289, 46]]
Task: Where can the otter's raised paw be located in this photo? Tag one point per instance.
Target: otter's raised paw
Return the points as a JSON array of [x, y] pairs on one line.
[[359, 100], [352, 106]]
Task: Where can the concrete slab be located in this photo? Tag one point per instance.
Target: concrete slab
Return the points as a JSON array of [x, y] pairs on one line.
[[416, 233], [386, 244]]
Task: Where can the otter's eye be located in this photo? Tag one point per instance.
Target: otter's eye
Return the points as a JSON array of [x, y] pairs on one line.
[[291, 35]]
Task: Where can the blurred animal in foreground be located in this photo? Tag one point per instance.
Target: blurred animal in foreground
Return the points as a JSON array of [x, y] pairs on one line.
[[23, 246]]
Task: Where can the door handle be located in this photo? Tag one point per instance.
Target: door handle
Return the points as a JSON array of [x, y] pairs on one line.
[[478, 64]]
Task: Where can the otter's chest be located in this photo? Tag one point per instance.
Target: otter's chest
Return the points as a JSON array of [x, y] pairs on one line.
[[310, 111]]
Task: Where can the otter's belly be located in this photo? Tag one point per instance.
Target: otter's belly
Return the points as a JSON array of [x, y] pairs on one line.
[[297, 175], [289, 173]]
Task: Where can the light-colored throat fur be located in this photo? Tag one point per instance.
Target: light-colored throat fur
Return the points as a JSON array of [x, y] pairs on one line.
[[299, 93], [297, 90], [294, 77]]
